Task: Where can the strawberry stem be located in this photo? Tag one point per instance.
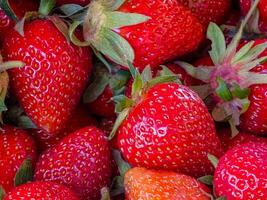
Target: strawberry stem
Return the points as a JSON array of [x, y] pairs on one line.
[[46, 6]]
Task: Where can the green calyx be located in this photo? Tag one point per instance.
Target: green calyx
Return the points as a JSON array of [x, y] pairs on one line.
[[2, 192], [24, 173], [141, 83], [99, 27], [8, 10], [46, 7]]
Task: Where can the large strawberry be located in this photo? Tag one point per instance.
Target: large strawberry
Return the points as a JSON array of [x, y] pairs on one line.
[[208, 11], [17, 148], [165, 126], [144, 32], [141, 183], [241, 173], [41, 190], [80, 161], [51, 83], [19, 7]]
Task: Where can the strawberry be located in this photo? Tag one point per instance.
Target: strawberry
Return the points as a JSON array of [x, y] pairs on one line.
[[141, 183], [106, 124], [208, 11], [79, 2], [51, 83], [241, 173], [80, 161], [41, 190], [79, 119], [104, 86], [15, 147], [127, 31], [19, 7]]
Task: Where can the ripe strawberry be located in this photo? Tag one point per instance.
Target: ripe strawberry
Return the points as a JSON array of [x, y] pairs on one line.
[[241, 173], [15, 147], [80, 161], [41, 190], [141, 183], [106, 125], [78, 120], [51, 83], [138, 24], [168, 127], [19, 7], [208, 11], [79, 2]]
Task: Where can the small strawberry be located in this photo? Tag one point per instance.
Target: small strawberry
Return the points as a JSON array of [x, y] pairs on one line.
[[19, 7], [78, 120], [41, 190], [141, 183], [241, 173], [80, 161], [16, 146], [208, 11], [55, 74], [104, 85], [79, 2], [165, 126], [127, 30]]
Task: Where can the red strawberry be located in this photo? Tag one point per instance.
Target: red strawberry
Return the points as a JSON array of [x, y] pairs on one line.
[[141, 183], [79, 119], [15, 147], [79, 2], [41, 190], [19, 7], [241, 173], [168, 127], [106, 125], [138, 24], [80, 161], [208, 11], [51, 83]]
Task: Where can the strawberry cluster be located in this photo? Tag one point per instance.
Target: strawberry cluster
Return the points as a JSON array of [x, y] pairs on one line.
[[133, 99]]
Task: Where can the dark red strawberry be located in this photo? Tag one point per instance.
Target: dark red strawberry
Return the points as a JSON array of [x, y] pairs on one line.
[[80, 161], [241, 173], [19, 7], [106, 125], [41, 190], [15, 147], [129, 30], [79, 2], [78, 120], [141, 183], [56, 72], [167, 127], [207, 11]]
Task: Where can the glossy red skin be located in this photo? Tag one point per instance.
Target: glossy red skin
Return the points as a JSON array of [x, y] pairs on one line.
[[208, 11], [103, 106], [80, 161], [175, 30], [79, 2], [40, 190], [19, 7], [254, 120], [49, 87], [15, 146], [141, 183], [170, 128], [78, 120], [241, 173]]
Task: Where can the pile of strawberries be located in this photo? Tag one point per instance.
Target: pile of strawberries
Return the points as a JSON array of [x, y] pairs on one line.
[[133, 99]]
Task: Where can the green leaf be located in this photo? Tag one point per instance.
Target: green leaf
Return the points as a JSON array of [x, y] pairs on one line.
[[223, 91], [96, 88], [71, 9], [114, 47], [146, 74], [8, 10], [26, 123], [123, 166], [117, 186], [118, 82], [255, 78], [122, 102], [2, 192], [122, 116], [102, 59], [162, 79], [219, 114], [239, 92], [250, 65], [24, 173], [46, 7], [213, 159], [2, 105], [72, 36], [234, 130], [242, 52], [61, 26], [10, 65], [221, 198], [203, 91], [116, 4], [208, 180], [19, 27], [105, 194], [118, 19], [218, 46]]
